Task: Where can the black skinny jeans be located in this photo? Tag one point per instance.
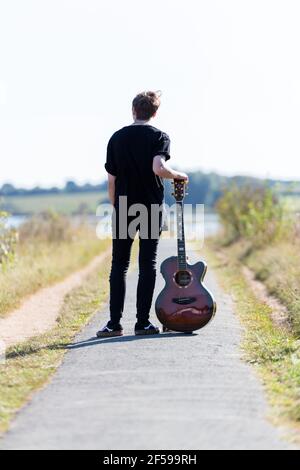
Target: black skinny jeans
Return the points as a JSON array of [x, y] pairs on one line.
[[147, 276]]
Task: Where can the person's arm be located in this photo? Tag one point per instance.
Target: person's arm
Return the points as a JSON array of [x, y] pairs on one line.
[[162, 169], [112, 188]]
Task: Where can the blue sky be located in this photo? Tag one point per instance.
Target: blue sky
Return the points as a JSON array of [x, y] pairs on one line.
[[229, 72]]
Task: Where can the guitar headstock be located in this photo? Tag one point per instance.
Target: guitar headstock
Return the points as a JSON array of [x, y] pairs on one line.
[[179, 190]]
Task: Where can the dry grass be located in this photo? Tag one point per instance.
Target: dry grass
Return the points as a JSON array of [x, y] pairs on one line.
[[40, 263], [278, 267]]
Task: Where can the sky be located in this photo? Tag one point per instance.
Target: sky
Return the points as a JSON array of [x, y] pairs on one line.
[[229, 71]]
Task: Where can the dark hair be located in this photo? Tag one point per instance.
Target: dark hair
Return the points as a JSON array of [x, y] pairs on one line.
[[146, 104]]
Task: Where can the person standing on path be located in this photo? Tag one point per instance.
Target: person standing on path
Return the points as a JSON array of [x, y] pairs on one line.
[[136, 164]]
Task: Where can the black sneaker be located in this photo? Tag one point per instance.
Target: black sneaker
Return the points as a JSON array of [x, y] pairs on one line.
[[110, 330], [147, 329]]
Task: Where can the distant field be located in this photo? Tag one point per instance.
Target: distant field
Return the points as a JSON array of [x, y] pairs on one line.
[[77, 203], [293, 202], [67, 204]]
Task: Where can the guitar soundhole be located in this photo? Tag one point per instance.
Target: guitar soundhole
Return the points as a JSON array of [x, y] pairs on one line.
[[183, 278]]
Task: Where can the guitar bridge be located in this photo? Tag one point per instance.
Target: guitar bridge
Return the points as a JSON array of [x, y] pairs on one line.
[[184, 300]]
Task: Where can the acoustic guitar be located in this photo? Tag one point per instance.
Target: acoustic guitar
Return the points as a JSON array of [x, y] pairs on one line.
[[185, 304]]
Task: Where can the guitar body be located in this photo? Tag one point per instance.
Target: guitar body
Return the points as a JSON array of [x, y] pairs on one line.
[[184, 305]]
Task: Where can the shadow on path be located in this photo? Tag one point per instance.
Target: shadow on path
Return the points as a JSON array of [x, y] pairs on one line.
[[124, 339], [92, 342]]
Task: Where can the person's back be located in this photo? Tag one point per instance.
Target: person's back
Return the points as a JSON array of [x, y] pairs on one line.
[[136, 163], [130, 158]]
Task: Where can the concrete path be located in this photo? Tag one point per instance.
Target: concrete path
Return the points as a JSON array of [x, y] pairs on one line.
[[168, 392]]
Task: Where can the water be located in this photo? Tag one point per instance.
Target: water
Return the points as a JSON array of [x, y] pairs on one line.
[[15, 221], [211, 223], [208, 226]]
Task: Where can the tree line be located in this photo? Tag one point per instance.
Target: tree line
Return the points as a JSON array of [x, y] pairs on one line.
[[204, 188]]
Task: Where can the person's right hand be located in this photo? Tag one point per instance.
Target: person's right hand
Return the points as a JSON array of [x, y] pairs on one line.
[[183, 176]]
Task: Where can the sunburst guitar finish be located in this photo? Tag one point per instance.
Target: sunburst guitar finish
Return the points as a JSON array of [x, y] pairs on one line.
[[185, 304]]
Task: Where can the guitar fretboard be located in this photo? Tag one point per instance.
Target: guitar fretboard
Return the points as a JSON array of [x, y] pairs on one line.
[[182, 264]]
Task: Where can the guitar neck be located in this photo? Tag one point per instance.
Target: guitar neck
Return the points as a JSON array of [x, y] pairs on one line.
[[182, 263]]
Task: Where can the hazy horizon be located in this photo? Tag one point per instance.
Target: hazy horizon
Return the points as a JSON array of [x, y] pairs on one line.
[[229, 72], [82, 183]]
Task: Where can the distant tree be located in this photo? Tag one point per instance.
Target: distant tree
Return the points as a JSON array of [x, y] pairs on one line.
[[8, 190], [87, 188], [36, 191], [71, 187], [53, 190]]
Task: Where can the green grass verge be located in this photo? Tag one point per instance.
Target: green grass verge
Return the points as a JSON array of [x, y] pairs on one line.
[[30, 365], [42, 264], [67, 204], [275, 352]]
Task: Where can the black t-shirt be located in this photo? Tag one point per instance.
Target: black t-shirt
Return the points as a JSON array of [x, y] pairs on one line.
[[130, 154]]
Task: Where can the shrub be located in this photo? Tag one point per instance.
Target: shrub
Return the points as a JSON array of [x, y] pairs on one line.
[[252, 213], [47, 227], [8, 241]]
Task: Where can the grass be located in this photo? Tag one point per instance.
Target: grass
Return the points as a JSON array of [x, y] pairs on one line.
[[278, 267], [29, 366], [40, 264], [292, 201], [274, 351], [67, 204]]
